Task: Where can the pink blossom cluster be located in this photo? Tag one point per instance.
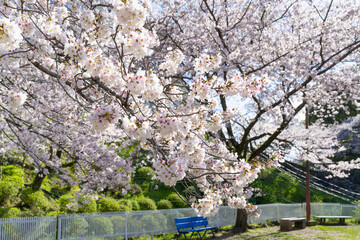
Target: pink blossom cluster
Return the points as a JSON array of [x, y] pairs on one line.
[[104, 116], [207, 63], [13, 98]]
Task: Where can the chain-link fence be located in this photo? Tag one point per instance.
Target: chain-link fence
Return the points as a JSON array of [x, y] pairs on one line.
[[124, 225]]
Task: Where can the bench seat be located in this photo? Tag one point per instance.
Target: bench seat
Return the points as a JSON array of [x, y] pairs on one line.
[[286, 224], [341, 218]]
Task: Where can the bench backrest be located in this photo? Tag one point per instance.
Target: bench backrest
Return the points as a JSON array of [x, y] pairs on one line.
[[190, 222]]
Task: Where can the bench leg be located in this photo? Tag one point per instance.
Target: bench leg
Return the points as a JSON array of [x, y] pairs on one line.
[[199, 235], [204, 233], [212, 231], [285, 225], [301, 224], [342, 221]]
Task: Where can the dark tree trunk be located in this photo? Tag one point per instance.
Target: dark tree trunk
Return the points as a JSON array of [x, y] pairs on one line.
[[36, 185], [241, 221]]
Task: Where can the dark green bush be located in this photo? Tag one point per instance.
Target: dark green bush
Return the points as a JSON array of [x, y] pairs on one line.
[[8, 191], [135, 189], [108, 204], [146, 204], [32, 212], [87, 205], [177, 201], [35, 199], [10, 212], [164, 204], [144, 173]]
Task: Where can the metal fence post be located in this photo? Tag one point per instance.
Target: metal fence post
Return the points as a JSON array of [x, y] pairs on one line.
[[126, 227], [341, 209], [59, 228]]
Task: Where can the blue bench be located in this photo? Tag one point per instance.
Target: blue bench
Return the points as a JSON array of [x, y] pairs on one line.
[[193, 225]]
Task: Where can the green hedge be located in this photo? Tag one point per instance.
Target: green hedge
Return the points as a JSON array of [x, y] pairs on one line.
[[35, 199], [177, 201], [164, 204], [108, 204], [146, 204]]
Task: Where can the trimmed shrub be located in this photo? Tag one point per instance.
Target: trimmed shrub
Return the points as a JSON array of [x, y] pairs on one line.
[[146, 204], [87, 205], [144, 173], [108, 204], [164, 204], [134, 205], [67, 203], [35, 199], [176, 201], [125, 205], [124, 208], [10, 212]]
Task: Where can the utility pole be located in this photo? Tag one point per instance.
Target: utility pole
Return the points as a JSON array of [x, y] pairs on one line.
[[308, 210]]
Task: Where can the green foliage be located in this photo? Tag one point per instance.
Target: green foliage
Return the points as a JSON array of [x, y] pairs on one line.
[[134, 205], [135, 189], [87, 205], [10, 212], [164, 204], [35, 199], [144, 173], [108, 204], [67, 203], [279, 187], [8, 191], [125, 205], [12, 171], [11, 182], [146, 204], [177, 201]]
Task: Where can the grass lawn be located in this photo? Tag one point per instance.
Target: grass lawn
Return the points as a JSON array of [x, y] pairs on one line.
[[350, 231], [322, 232]]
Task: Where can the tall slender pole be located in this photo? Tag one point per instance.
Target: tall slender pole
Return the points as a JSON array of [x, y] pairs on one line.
[[308, 209]]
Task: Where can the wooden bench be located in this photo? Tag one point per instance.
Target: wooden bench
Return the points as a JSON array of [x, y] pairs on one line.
[[193, 225], [341, 218], [286, 224]]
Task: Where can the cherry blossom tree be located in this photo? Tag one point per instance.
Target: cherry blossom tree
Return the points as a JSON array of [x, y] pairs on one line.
[[207, 87]]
